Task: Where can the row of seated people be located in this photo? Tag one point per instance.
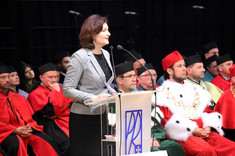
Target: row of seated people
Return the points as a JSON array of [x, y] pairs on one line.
[[50, 111], [38, 125], [180, 100], [217, 67], [27, 80], [217, 79]]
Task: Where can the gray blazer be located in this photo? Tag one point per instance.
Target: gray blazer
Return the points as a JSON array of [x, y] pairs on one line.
[[84, 79]]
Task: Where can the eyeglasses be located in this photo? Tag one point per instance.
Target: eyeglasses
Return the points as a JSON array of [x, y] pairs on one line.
[[4, 77], [148, 75], [129, 76]]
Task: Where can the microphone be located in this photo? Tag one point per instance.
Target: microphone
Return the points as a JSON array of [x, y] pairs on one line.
[[115, 76], [119, 47], [74, 13], [200, 7], [130, 13]]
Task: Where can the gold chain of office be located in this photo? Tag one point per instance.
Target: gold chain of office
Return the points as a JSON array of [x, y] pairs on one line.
[[191, 111]]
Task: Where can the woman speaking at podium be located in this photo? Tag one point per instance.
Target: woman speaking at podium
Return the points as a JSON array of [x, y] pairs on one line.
[[88, 77]]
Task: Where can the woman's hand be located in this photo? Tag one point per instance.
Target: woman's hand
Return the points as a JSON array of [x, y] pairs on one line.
[[98, 97]]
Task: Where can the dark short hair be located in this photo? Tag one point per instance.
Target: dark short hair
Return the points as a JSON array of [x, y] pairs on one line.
[[91, 26], [166, 75]]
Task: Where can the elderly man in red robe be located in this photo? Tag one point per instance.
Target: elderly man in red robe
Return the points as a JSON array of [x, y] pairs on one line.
[[226, 106], [18, 129], [52, 107], [187, 117], [222, 79]]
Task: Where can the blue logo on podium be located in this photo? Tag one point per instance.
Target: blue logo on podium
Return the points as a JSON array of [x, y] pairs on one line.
[[133, 132]]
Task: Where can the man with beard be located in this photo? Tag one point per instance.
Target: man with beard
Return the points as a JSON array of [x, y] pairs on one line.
[[195, 73], [126, 81], [187, 117], [160, 140], [126, 77], [18, 130], [52, 107]]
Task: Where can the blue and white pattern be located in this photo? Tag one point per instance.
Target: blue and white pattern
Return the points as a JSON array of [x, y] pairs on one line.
[[133, 132]]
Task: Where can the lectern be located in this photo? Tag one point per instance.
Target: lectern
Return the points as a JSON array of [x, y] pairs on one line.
[[133, 121]]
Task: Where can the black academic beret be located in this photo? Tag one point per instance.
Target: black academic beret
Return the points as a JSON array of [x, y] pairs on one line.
[[3, 69], [207, 47], [123, 68], [192, 59], [47, 67], [223, 58], [209, 60], [142, 69]]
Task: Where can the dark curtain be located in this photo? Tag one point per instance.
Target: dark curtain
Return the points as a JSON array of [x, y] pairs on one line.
[[35, 31]]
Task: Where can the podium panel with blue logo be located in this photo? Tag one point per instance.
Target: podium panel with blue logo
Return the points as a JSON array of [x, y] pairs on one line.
[[133, 122]]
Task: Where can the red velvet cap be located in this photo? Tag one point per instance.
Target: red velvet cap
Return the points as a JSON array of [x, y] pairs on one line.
[[171, 59], [232, 71]]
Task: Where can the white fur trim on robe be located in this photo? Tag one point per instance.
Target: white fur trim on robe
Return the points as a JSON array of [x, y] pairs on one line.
[[184, 93], [213, 120], [179, 128]]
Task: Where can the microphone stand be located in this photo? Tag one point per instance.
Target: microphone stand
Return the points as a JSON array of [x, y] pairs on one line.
[[76, 23], [115, 76], [119, 47], [119, 97]]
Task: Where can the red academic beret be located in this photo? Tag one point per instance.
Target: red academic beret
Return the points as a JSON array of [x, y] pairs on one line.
[[171, 59]]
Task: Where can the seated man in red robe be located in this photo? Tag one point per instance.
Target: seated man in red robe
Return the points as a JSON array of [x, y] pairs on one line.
[[18, 130], [222, 79], [187, 117], [52, 107], [226, 106]]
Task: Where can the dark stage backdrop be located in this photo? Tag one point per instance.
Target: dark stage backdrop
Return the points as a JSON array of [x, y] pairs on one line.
[[35, 31]]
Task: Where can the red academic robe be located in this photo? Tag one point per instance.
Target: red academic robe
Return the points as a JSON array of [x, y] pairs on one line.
[[41, 97], [214, 145], [226, 107], [15, 112], [221, 83], [185, 108]]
